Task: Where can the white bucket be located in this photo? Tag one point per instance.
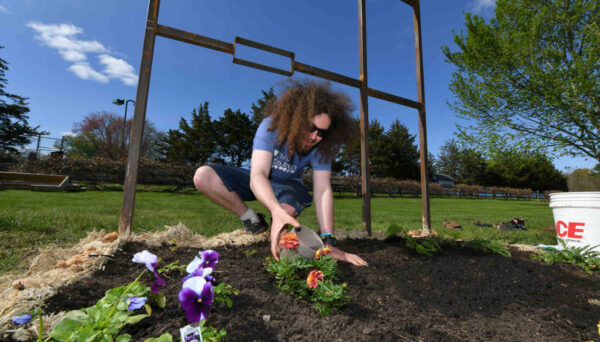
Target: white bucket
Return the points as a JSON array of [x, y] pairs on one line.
[[577, 218]]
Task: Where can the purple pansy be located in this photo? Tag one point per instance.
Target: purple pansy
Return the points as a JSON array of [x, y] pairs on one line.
[[208, 259], [204, 273], [136, 303], [196, 298], [150, 260], [22, 319]]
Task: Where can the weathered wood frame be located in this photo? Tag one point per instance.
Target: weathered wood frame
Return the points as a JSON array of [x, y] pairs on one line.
[[154, 29]]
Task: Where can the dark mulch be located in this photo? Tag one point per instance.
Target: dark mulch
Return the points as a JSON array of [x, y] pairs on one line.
[[455, 296]]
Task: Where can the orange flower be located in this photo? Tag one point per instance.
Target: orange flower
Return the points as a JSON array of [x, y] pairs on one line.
[[322, 251], [313, 276], [289, 241]]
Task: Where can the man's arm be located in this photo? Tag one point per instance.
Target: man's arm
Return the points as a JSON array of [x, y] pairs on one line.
[[323, 195], [261, 187]]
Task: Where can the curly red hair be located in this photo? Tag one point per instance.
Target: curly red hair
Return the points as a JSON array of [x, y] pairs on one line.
[[297, 105]]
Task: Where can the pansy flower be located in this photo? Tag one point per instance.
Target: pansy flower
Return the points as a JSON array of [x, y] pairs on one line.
[[196, 298], [312, 278], [289, 241], [322, 251], [199, 272], [136, 303], [151, 261], [20, 320]]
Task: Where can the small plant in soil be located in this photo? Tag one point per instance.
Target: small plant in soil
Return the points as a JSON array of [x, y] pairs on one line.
[[199, 291], [423, 246], [122, 305], [585, 257], [105, 320], [486, 247], [309, 279]]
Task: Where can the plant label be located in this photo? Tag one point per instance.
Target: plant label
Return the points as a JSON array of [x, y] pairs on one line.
[[191, 333]]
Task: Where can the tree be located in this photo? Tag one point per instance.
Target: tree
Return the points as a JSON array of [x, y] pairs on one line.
[[235, 134], [448, 159], [530, 78], [465, 165], [392, 153], [395, 153], [193, 143], [101, 134], [258, 109], [14, 127], [525, 169]]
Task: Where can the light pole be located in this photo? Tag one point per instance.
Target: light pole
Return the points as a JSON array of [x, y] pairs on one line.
[[120, 102]]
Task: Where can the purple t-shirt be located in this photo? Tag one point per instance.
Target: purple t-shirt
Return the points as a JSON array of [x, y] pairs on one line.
[[282, 166]]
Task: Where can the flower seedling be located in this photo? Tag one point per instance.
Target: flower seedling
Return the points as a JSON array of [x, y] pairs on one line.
[[309, 279], [104, 320], [199, 292]]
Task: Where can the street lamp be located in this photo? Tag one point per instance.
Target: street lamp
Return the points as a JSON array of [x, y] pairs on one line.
[[120, 102]]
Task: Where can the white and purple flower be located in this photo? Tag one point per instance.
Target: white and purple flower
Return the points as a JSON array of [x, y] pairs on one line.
[[20, 320], [136, 303], [151, 261], [199, 267], [196, 298]]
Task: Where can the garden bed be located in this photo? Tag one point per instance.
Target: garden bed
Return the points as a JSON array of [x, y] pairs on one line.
[[455, 296]]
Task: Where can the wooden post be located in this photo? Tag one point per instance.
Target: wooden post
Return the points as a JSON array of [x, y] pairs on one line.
[[364, 117], [139, 117], [422, 119]]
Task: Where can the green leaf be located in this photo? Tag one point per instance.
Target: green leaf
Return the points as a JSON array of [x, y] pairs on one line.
[[393, 229], [65, 330], [135, 319], [166, 337], [159, 299], [148, 309], [123, 338]]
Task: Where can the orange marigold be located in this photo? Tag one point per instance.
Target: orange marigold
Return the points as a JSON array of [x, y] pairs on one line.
[[289, 241], [312, 278], [322, 251]]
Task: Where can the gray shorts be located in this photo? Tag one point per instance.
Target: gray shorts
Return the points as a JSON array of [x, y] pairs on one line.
[[289, 191]]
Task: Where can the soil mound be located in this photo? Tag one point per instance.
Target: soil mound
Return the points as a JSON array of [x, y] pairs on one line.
[[456, 296]]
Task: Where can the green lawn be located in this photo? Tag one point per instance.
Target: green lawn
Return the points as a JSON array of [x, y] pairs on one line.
[[29, 219]]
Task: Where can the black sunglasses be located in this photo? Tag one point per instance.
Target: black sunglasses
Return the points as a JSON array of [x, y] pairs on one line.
[[320, 132]]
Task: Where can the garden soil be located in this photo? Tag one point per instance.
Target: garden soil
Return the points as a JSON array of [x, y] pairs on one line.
[[458, 295]]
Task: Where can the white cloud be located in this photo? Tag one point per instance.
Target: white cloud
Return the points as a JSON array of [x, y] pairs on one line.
[[483, 6], [72, 55], [85, 71], [63, 37], [3, 9], [118, 68]]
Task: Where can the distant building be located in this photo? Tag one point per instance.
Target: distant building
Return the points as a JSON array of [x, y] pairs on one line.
[[443, 180]]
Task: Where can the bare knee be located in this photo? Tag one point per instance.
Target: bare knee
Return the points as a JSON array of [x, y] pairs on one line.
[[289, 209], [203, 177]]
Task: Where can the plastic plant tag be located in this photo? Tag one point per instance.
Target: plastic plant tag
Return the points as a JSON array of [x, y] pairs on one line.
[[191, 333]]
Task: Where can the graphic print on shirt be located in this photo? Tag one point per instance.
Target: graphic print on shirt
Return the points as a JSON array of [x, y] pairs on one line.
[[281, 162]]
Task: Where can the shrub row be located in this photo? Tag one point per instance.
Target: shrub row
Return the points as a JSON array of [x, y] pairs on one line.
[[99, 170]]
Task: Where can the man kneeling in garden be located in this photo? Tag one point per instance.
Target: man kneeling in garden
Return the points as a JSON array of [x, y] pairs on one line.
[[306, 124]]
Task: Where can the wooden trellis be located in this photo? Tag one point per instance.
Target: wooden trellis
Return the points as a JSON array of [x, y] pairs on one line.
[[153, 29]]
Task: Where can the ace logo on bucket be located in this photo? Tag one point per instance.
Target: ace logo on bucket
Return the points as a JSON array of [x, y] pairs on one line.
[[572, 230]]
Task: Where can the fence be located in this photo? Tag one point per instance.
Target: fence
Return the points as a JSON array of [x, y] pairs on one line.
[[100, 170]]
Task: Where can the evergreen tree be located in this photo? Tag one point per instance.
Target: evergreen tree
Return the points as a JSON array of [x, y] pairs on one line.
[[397, 153], [258, 109], [193, 143], [15, 131], [235, 133]]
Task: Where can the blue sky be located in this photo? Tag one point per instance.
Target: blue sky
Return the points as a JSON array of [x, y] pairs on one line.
[[73, 57]]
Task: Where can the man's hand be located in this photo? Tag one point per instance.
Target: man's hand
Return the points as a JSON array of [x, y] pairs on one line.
[[339, 254], [280, 219]]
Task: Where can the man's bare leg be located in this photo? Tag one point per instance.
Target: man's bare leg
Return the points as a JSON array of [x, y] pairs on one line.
[[208, 182]]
